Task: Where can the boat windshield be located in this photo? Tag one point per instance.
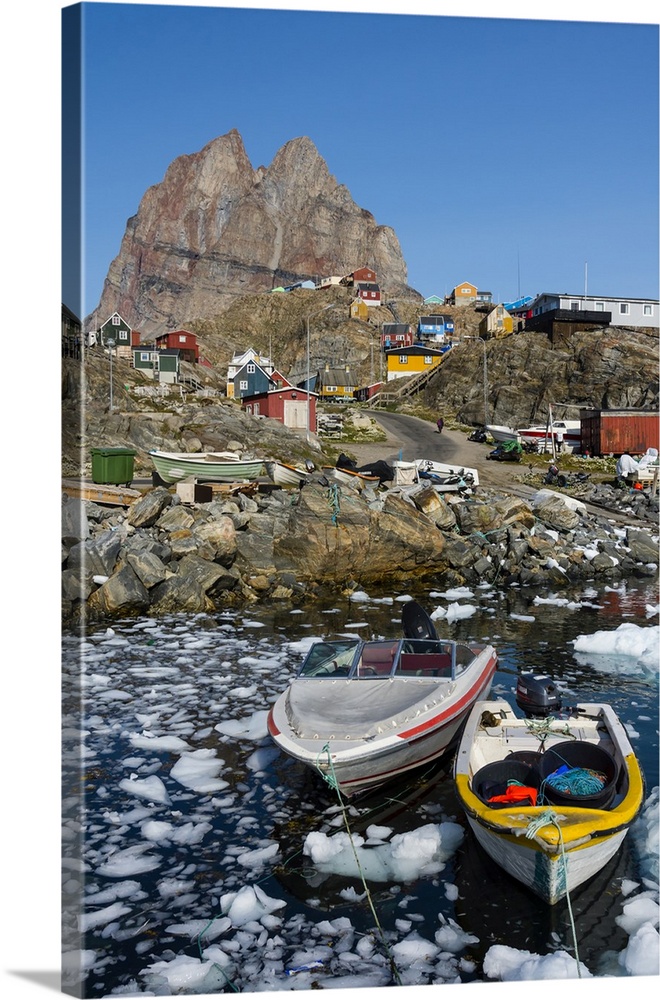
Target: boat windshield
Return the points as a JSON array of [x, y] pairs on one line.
[[330, 659], [428, 658]]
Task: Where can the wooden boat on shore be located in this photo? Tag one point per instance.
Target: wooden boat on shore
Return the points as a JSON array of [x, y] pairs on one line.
[[549, 800], [349, 477], [362, 712], [285, 475], [222, 466]]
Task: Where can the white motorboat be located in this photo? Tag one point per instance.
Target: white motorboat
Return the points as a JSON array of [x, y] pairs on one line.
[[543, 434], [360, 713], [500, 433], [549, 800], [436, 472]]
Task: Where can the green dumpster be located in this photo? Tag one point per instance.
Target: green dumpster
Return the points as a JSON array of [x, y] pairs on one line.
[[113, 466]]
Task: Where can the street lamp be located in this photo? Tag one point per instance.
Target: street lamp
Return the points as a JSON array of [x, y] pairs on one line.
[[111, 345], [332, 305], [483, 344]]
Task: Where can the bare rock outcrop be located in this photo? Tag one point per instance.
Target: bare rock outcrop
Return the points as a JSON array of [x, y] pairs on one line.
[[215, 228]]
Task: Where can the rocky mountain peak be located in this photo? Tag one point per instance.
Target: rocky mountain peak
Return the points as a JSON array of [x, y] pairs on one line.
[[215, 228]]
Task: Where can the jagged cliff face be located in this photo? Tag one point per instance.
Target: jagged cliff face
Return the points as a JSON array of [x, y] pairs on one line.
[[215, 228]]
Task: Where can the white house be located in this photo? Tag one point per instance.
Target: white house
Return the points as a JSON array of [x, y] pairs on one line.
[[624, 311]]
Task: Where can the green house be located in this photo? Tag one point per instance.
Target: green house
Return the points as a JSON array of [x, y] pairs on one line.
[[117, 329], [162, 366]]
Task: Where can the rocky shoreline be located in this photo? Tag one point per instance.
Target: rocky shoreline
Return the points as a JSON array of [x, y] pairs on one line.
[[162, 555]]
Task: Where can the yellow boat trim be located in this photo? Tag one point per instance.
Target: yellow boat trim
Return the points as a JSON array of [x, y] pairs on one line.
[[578, 825]]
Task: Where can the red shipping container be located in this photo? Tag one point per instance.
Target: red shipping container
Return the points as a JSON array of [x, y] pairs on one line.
[[611, 432]]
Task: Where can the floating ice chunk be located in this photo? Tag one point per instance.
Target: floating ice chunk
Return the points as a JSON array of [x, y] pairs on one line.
[[413, 949], [99, 918], [157, 831], [454, 593], [259, 857], [637, 912], [409, 855], [359, 596], [151, 788], [184, 974], [261, 758], [639, 641], [522, 618], [130, 861], [249, 903], [198, 771], [253, 727], [511, 965], [145, 742], [640, 956], [451, 937], [120, 890]]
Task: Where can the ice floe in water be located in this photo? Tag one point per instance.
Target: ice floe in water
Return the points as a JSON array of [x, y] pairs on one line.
[[630, 648]]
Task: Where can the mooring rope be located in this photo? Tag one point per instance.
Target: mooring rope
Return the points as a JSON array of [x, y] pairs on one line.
[[542, 728], [331, 779], [334, 497], [548, 817]]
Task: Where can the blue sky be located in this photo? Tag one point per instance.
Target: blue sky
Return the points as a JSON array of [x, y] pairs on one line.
[[521, 155]]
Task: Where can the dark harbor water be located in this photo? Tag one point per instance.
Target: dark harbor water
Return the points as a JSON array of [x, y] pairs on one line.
[[193, 876]]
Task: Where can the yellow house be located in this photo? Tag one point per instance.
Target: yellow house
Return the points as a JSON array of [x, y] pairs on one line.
[[402, 361], [497, 323], [359, 309], [463, 294]]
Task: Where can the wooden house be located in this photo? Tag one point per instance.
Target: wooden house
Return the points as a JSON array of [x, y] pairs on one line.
[[368, 292], [71, 334], [396, 335], [412, 360], [239, 360], [497, 323], [333, 279], [362, 274], [250, 380], [462, 295], [183, 341], [358, 310], [289, 404], [436, 328], [336, 384], [160, 365], [366, 392], [625, 312], [117, 329]]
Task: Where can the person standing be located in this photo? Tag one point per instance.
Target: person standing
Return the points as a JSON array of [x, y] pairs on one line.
[[440, 424]]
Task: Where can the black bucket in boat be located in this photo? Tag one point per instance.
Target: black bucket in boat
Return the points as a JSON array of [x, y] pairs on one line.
[[492, 779], [529, 757], [579, 754]]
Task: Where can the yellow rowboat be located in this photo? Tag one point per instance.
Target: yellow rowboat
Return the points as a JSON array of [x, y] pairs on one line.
[[554, 846]]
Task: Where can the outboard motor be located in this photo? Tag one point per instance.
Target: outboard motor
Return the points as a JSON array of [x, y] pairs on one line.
[[537, 694], [416, 623]]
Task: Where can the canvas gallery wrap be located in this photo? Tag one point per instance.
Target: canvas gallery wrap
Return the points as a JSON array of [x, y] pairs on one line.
[[349, 703]]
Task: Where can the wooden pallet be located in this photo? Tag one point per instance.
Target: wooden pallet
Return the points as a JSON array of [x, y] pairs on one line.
[[115, 496]]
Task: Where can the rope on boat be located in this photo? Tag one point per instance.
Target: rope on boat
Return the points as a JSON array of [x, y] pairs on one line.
[[542, 728], [334, 495], [215, 964], [331, 779], [577, 781], [548, 817]]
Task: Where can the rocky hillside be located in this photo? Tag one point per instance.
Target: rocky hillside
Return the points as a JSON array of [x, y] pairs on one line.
[[215, 229], [607, 368]]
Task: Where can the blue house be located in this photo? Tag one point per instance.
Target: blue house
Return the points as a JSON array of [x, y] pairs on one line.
[[250, 380], [438, 327]]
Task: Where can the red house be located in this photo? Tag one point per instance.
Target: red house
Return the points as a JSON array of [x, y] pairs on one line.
[[184, 342], [287, 403], [361, 275], [367, 391]]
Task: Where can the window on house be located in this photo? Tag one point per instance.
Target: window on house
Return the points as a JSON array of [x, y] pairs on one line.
[[599, 307], [145, 356], [648, 310], [182, 338], [624, 308], [115, 319], [251, 369], [403, 359], [243, 384], [331, 388], [428, 360], [575, 305]]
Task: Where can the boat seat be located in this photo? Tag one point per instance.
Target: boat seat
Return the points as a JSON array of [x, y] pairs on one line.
[[425, 664], [377, 660]]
